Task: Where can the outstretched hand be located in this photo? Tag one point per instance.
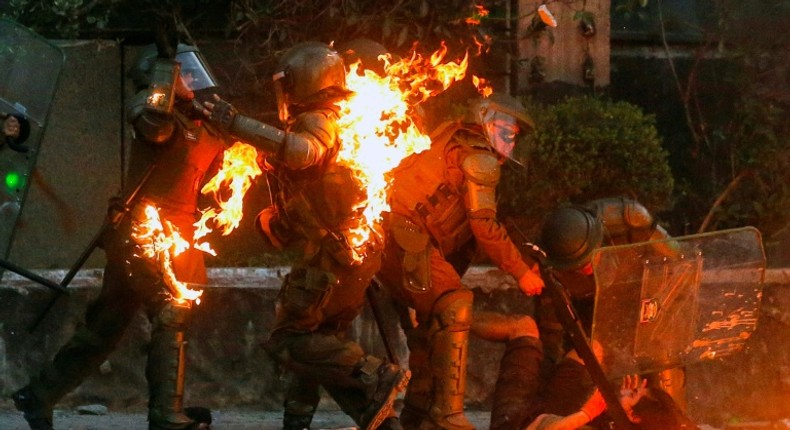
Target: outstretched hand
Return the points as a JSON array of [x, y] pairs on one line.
[[632, 383]]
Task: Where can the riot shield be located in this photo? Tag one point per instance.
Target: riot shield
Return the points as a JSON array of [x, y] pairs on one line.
[[30, 67], [668, 303]]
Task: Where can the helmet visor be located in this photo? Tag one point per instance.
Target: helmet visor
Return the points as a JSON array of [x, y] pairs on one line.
[[194, 71], [501, 130]]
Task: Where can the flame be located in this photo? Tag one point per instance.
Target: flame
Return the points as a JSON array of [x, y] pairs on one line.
[[239, 168], [480, 12], [377, 126], [483, 86], [160, 240]]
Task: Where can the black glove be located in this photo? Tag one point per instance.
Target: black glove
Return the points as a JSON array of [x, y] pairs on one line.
[[222, 113]]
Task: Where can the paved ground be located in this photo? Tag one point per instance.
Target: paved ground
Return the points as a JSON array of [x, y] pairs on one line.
[[223, 420]]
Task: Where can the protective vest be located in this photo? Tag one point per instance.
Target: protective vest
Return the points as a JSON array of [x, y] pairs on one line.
[[181, 164], [424, 192]]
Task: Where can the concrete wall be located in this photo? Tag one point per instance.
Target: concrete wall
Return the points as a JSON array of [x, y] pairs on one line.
[[227, 368]]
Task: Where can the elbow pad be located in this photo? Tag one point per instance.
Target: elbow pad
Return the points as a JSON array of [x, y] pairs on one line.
[[481, 172], [263, 136]]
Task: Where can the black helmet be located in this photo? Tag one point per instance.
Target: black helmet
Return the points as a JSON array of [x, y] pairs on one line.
[[304, 72], [193, 67], [366, 51], [569, 236]]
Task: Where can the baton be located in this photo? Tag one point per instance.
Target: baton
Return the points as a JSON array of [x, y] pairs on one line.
[[378, 315], [111, 221]]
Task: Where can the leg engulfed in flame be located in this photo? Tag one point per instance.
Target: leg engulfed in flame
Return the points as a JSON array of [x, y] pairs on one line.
[[377, 126], [160, 241]]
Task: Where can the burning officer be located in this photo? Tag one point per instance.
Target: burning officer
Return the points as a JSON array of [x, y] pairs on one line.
[[319, 202], [569, 236], [167, 131], [443, 208]]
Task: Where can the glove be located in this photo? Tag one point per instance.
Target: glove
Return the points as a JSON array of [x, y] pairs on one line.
[[220, 112], [531, 283], [594, 406]]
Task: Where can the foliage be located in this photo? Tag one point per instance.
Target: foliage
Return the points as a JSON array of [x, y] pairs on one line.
[[60, 18], [585, 148], [739, 151]]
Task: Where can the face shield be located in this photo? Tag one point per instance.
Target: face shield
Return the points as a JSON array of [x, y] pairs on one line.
[[194, 72], [501, 130]]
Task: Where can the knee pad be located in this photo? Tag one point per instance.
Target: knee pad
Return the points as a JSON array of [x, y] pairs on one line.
[[453, 311]]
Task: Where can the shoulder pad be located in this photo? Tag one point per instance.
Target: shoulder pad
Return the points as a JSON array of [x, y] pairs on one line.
[[636, 215], [320, 124], [481, 167], [135, 106]]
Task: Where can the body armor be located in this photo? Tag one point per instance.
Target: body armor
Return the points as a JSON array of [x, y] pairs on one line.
[[438, 197]]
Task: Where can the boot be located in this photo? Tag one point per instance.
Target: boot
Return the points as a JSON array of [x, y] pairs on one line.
[[390, 380], [390, 423], [296, 422], [38, 416], [449, 341], [301, 401], [165, 370], [517, 383]]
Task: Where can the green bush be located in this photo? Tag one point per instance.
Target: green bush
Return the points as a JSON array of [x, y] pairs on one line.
[[585, 148]]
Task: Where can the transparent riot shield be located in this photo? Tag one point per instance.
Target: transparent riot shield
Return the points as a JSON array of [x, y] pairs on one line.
[[668, 303], [30, 67]]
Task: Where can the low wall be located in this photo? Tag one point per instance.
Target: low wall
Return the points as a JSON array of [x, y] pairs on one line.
[[227, 369]]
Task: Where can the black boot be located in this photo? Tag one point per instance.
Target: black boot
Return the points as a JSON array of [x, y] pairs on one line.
[[391, 380], [38, 416], [296, 422]]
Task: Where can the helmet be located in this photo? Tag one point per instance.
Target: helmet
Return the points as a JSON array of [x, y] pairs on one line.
[[499, 114], [366, 51], [195, 72], [305, 72], [569, 236]]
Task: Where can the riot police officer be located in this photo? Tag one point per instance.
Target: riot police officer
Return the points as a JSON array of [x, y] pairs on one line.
[[183, 149], [443, 208], [569, 236], [317, 202]]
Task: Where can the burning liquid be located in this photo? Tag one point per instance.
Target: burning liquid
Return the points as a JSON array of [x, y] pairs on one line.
[[377, 127]]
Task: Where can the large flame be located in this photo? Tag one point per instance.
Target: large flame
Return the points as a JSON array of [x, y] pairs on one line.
[[376, 124], [239, 168], [160, 241]]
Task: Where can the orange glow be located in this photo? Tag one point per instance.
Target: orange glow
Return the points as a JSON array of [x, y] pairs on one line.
[[160, 241], [228, 187], [480, 12], [377, 127], [482, 85]]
